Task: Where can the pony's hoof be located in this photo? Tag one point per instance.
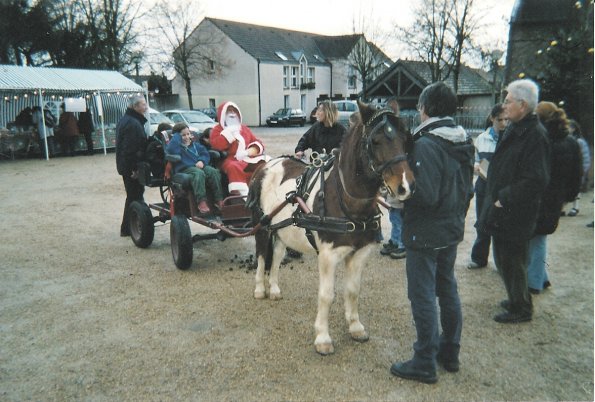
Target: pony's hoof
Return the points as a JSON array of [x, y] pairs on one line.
[[275, 296], [360, 336], [259, 295], [325, 349]]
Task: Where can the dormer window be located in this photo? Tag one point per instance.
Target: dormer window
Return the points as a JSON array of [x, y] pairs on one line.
[[281, 56]]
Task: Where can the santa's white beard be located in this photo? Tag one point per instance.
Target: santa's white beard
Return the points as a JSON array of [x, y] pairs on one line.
[[232, 120]]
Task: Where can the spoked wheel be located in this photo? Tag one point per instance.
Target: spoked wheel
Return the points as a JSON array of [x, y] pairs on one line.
[[142, 230], [164, 191], [181, 241]]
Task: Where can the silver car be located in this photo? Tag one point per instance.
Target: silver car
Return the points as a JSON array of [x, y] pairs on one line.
[[346, 108], [196, 121]]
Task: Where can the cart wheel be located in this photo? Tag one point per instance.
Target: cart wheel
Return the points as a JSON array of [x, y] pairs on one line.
[[164, 191], [142, 230], [181, 241]]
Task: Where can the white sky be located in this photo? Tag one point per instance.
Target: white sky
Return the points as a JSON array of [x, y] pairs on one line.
[[335, 17]]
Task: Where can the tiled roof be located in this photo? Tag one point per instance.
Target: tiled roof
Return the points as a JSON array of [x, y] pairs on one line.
[[268, 43], [335, 47], [265, 43], [470, 81], [64, 79]]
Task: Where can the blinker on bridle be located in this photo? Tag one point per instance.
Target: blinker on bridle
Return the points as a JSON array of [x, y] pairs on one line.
[[390, 132]]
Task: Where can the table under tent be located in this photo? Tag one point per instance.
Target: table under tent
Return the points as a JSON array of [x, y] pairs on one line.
[[103, 93]]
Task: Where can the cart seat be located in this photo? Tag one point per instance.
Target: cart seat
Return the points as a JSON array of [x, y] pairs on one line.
[[146, 178]]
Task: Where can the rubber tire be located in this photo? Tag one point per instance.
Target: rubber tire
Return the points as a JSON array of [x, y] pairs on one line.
[[181, 242], [140, 221]]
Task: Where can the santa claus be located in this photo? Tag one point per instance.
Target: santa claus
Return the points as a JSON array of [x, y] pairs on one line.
[[242, 147]]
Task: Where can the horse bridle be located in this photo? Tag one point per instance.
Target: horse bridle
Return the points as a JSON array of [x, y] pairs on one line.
[[389, 131]]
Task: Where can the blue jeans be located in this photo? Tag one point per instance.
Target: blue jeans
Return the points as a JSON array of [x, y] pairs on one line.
[[536, 269], [430, 275], [396, 221]]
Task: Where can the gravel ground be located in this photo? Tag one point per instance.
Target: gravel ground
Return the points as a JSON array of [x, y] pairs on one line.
[[85, 315]]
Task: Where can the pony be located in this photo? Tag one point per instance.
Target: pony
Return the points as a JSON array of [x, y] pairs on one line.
[[333, 211]]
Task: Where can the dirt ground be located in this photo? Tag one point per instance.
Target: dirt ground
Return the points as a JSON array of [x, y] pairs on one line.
[[87, 316]]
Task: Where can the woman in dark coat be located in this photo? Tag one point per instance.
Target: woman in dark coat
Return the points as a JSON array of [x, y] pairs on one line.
[[86, 128], [69, 130], [564, 185], [325, 134]]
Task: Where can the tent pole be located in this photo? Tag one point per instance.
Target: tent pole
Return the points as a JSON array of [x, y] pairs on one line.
[[99, 104], [45, 134]]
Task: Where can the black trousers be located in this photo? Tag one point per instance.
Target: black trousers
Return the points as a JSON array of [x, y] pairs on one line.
[[89, 141], [481, 247], [134, 192], [511, 259]]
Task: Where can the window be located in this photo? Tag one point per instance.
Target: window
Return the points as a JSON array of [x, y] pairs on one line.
[[285, 76], [281, 56], [303, 103], [302, 73], [352, 80], [311, 74], [212, 102], [211, 66], [294, 77], [285, 101]]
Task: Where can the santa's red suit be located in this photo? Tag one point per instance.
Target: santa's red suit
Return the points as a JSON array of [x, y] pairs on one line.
[[235, 138]]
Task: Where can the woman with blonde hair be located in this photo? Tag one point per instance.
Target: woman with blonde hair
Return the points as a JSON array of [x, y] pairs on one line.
[[324, 135]]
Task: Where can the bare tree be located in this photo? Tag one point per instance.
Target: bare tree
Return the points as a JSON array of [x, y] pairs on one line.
[[116, 18], [441, 35], [366, 57], [464, 23], [195, 53], [427, 36]]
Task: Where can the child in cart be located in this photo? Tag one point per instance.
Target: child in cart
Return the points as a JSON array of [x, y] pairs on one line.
[[194, 161]]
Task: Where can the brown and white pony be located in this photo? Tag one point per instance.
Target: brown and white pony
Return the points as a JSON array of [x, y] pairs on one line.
[[372, 154]]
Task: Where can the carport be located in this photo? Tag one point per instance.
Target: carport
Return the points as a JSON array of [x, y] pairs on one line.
[[105, 94]]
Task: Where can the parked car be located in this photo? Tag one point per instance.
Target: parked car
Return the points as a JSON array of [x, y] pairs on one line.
[[210, 111], [346, 108], [287, 117], [156, 118], [197, 121]]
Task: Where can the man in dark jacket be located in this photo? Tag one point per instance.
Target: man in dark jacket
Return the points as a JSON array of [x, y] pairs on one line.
[[517, 177], [433, 226], [130, 147]]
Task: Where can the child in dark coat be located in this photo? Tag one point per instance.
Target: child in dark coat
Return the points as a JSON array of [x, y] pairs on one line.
[[195, 162]]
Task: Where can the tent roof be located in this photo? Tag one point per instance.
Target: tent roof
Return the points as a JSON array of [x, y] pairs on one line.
[[15, 78]]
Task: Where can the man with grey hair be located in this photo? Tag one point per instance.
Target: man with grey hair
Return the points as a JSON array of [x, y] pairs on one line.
[[517, 177], [130, 147]]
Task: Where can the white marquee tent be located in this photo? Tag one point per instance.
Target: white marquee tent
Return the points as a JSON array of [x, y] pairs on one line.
[[105, 92]]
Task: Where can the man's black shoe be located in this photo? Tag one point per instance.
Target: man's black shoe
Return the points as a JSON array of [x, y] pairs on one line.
[[452, 366], [505, 304], [512, 318], [407, 371]]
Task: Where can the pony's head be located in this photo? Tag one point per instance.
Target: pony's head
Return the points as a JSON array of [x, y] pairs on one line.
[[385, 142]]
